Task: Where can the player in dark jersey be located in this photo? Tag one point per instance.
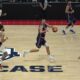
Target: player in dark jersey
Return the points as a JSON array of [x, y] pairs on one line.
[[40, 41], [70, 18], [44, 4]]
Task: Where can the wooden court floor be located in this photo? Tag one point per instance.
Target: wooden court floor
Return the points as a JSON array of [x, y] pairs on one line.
[[66, 50]]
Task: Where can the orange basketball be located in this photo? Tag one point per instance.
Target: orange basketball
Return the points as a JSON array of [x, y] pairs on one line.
[[54, 29]]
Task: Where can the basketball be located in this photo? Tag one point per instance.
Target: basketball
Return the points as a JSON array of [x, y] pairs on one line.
[[54, 29]]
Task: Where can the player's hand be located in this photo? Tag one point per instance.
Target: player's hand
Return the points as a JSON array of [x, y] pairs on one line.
[[6, 38]]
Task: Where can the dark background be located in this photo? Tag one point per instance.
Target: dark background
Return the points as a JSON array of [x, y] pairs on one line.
[[33, 11]]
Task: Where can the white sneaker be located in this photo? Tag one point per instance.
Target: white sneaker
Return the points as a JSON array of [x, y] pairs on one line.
[[51, 58], [25, 53]]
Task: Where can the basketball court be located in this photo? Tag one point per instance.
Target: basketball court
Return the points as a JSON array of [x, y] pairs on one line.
[[65, 48]]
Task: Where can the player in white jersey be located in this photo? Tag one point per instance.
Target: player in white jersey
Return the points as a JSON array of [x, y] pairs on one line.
[[2, 40]]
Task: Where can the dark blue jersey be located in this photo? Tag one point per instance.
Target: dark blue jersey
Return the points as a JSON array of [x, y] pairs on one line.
[[70, 16], [43, 27], [41, 36]]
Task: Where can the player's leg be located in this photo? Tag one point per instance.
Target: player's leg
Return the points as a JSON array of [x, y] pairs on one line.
[[72, 25], [2, 58], [71, 30], [48, 52], [72, 19], [5, 54], [47, 49], [38, 45], [25, 52], [68, 25], [43, 42], [66, 28]]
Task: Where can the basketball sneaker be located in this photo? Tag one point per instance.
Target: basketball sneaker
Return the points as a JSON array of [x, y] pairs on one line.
[[51, 58]]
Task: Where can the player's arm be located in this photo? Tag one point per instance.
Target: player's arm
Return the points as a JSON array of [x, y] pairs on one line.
[[54, 29], [41, 5], [45, 6], [50, 26], [67, 10], [4, 38]]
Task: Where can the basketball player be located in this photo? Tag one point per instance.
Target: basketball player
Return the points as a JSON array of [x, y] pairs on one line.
[[2, 40], [4, 53], [70, 18], [44, 4], [2, 35], [40, 41]]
